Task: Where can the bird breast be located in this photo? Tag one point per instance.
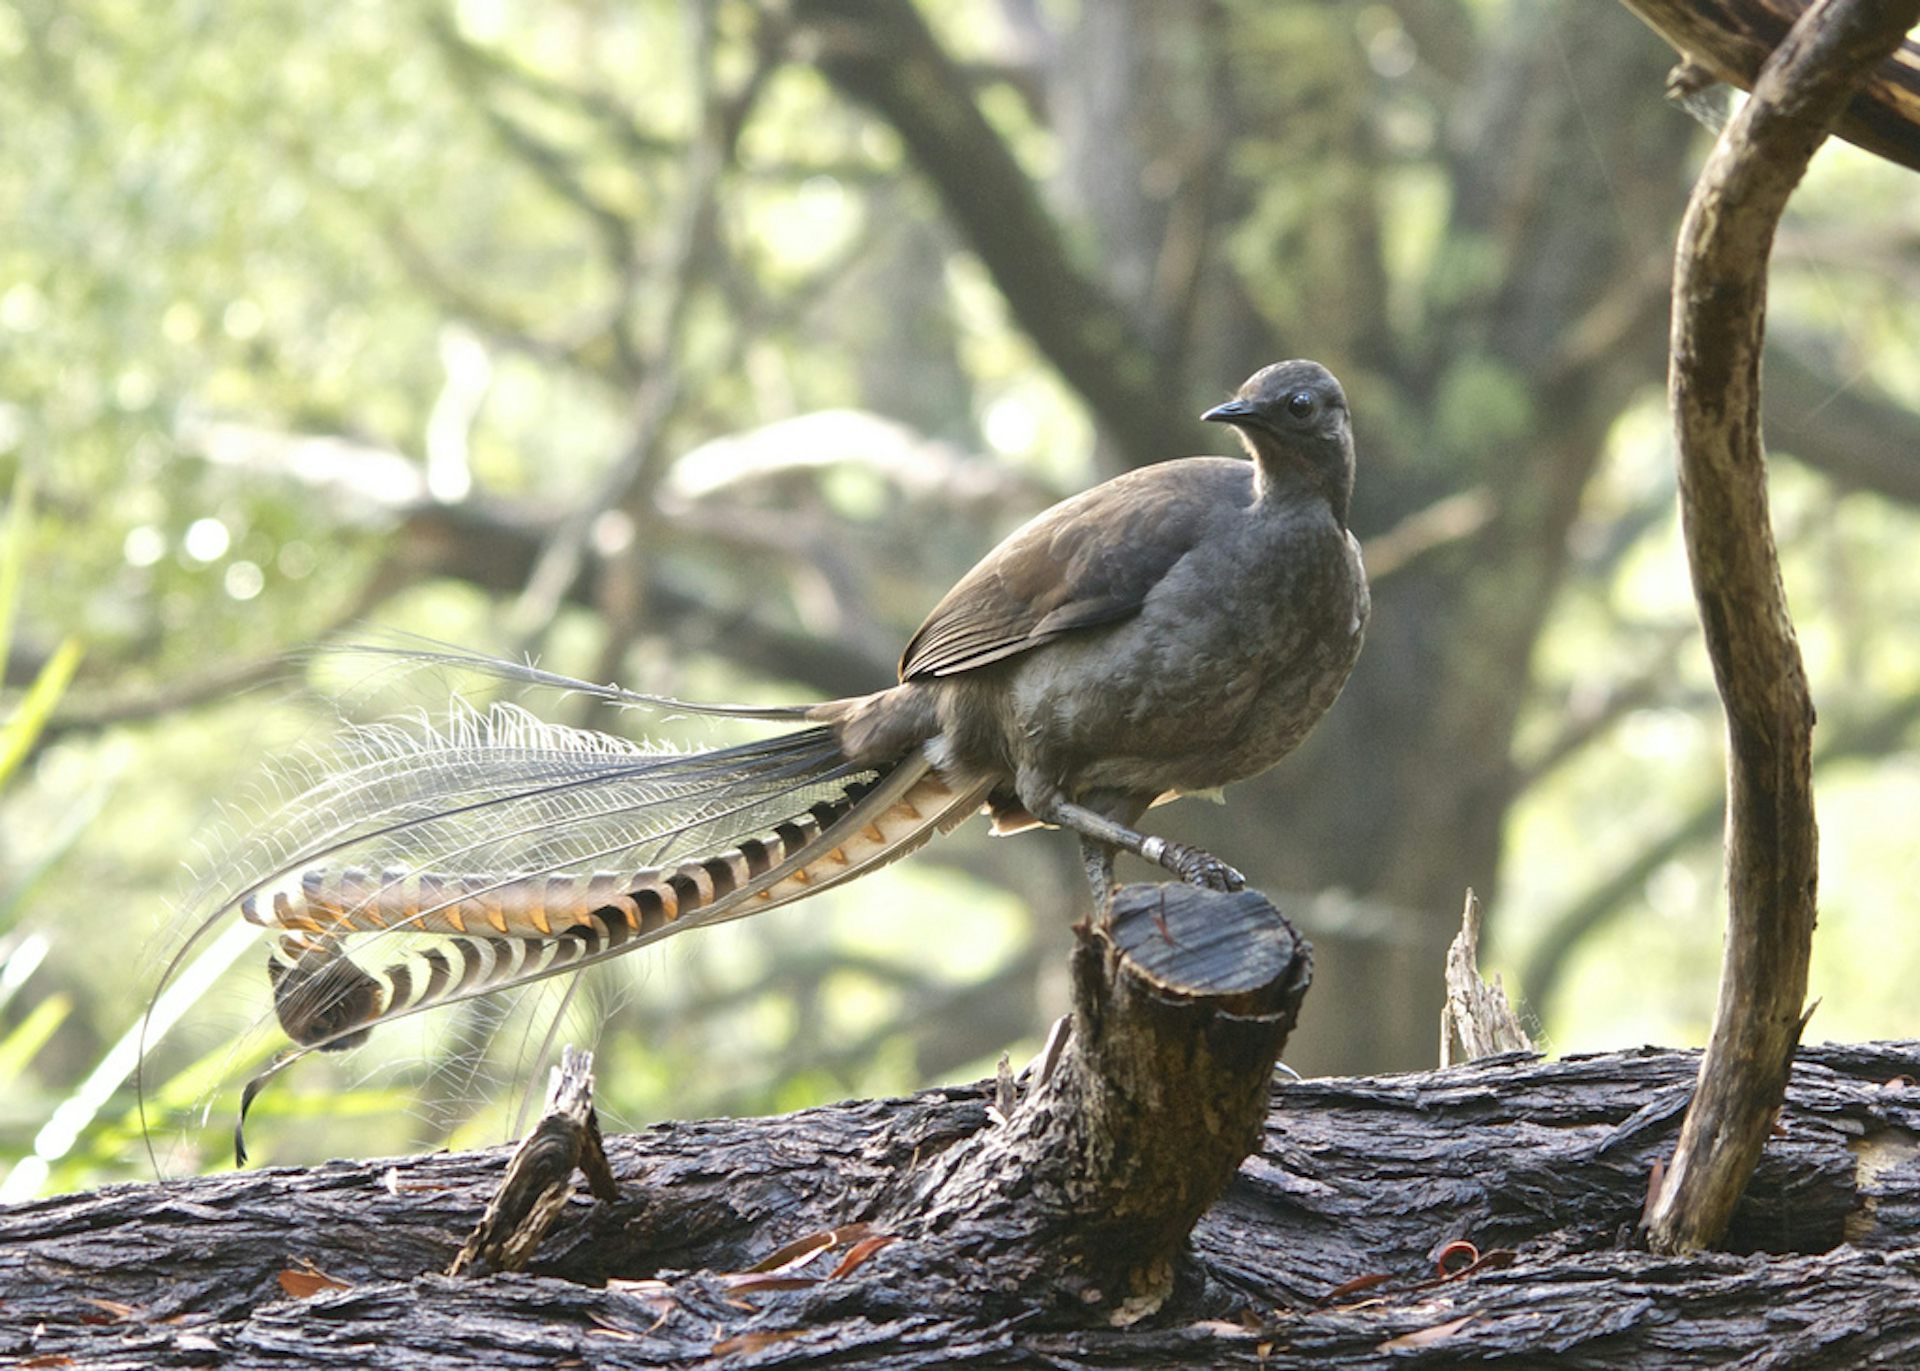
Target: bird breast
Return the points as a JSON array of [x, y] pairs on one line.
[[1232, 659]]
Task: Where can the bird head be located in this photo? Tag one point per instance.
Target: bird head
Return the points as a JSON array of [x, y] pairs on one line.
[[1292, 417]]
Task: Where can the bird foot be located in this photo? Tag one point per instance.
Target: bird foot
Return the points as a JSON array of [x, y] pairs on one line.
[[1197, 867]]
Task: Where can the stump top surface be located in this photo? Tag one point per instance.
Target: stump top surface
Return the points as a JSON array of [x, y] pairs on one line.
[[1194, 941]]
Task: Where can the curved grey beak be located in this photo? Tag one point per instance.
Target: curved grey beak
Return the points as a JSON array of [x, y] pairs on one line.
[[1234, 411]]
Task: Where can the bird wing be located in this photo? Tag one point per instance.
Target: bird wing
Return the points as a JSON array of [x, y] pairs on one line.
[[1088, 561]]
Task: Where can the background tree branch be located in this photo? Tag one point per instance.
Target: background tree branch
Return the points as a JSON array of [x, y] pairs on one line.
[[1566, 929], [1731, 41], [881, 53]]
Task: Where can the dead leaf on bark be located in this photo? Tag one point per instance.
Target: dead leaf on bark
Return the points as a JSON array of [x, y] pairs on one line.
[[803, 1250], [1355, 1286], [1459, 1250], [1495, 1260], [858, 1255], [307, 1280], [121, 1313], [1425, 1337], [753, 1342], [766, 1280]]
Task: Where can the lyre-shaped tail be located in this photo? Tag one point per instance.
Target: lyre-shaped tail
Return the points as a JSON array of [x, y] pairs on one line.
[[420, 864], [501, 930]]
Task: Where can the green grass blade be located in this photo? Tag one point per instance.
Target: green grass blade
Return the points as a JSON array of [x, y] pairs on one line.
[[23, 1044], [17, 735]]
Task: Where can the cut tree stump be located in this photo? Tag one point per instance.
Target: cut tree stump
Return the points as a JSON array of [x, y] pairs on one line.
[[1086, 1190]]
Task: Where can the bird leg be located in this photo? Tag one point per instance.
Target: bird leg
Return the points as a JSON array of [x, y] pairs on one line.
[[1098, 857], [1190, 864]]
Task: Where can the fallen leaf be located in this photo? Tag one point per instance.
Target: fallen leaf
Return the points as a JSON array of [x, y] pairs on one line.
[[803, 1250], [663, 1304], [1459, 1249], [1355, 1286], [765, 1280], [1497, 1260], [1656, 1181], [859, 1253], [1355, 1306], [753, 1342], [1425, 1337], [120, 1311], [309, 1281], [640, 1287], [1222, 1328], [796, 1253]]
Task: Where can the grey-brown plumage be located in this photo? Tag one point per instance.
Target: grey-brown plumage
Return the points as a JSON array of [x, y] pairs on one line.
[[1174, 630]]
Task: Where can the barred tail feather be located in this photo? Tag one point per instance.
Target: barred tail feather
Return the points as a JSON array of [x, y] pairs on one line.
[[324, 1000]]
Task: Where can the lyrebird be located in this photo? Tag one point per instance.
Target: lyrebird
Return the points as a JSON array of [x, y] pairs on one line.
[[1170, 631]]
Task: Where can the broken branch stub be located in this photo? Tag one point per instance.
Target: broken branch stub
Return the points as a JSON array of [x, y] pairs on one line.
[[539, 1180]]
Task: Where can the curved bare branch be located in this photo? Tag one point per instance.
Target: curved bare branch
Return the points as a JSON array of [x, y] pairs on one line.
[[1719, 323]]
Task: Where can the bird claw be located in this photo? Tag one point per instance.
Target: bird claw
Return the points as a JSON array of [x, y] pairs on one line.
[[1197, 867]]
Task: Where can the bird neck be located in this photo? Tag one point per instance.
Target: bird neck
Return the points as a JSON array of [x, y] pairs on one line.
[[1283, 472]]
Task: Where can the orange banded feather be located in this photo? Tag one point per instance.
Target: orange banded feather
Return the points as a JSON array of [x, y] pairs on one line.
[[507, 930]]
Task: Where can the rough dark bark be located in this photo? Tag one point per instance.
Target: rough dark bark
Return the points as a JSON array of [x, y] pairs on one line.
[[1719, 324], [1355, 1180]]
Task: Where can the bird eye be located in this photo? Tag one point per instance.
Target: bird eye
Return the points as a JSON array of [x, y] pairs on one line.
[[1300, 404]]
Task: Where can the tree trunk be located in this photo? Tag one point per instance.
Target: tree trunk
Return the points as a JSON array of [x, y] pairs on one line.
[[1321, 1251]]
